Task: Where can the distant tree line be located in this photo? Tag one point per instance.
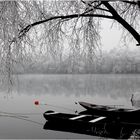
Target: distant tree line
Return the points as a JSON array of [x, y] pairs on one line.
[[115, 61]]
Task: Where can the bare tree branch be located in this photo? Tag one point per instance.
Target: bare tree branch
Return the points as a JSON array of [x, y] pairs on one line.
[[27, 28]]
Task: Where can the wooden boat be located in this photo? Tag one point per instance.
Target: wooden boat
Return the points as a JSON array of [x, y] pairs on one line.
[[86, 124], [124, 116], [109, 110], [74, 118], [89, 118], [99, 120]]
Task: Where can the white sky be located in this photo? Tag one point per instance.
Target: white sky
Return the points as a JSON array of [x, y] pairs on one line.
[[111, 36]]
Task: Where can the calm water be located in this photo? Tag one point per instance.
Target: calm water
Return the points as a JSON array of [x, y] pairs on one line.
[[20, 118]]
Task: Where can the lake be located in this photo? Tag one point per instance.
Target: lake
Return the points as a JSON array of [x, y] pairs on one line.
[[20, 118]]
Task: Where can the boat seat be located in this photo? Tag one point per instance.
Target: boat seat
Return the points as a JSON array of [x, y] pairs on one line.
[[77, 117], [97, 119], [112, 109]]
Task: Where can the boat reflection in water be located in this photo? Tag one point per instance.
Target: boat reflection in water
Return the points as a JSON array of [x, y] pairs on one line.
[[87, 124]]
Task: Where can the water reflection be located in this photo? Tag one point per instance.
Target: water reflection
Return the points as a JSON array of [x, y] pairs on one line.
[[112, 85], [100, 131], [107, 87]]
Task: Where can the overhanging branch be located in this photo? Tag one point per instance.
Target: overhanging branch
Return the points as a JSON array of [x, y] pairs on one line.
[[28, 27]]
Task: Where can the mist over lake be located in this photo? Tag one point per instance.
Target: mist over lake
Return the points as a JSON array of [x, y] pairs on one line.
[[105, 85]]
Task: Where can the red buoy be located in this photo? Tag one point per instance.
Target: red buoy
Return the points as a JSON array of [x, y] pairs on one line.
[[36, 102]]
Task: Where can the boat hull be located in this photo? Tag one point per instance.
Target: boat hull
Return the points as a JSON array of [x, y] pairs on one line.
[[86, 124]]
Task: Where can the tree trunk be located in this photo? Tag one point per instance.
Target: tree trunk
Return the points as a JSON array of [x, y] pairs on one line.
[[125, 24]]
